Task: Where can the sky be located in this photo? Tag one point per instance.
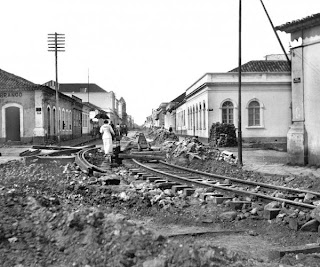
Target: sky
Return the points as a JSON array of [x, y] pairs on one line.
[[146, 51]]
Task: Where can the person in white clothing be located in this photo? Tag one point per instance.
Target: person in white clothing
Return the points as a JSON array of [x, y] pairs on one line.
[[107, 132]]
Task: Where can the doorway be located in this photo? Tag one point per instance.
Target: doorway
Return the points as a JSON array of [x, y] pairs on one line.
[[12, 124]]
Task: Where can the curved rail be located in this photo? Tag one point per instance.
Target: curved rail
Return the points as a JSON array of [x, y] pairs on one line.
[[228, 189], [83, 163]]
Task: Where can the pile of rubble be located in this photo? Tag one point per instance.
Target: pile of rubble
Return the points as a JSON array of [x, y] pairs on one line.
[[163, 197], [161, 135], [192, 148], [56, 215]]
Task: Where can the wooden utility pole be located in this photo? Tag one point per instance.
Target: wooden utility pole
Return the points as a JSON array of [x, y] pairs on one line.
[[56, 43], [239, 94]]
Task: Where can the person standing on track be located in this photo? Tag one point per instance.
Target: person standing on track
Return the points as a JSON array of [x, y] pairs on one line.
[[107, 133]]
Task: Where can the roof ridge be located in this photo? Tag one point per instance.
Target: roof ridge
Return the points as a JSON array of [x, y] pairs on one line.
[[9, 80]]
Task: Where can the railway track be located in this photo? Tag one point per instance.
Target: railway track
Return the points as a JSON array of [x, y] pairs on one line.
[[222, 187], [196, 178]]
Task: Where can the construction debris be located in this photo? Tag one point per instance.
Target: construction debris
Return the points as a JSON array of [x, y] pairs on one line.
[[161, 135], [192, 148]]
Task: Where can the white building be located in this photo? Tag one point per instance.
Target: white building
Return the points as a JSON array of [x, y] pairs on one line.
[[266, 102], [303, 136]]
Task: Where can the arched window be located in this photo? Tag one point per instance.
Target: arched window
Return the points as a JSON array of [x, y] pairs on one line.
[[70, 120], [227, 112], [254, 113], [54, 121], [59, 120], [49, 121], [188, 114], [189, 118], [193, 118], [200, 116], [204, 115], [63, 120], [197, 118]]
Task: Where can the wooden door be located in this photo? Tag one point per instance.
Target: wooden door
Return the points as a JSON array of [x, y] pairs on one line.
[[12, 123]]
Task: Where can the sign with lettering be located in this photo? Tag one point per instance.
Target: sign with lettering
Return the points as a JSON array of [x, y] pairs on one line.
[[10, 94], [297, 80]]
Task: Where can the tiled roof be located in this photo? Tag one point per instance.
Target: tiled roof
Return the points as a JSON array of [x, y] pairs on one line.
[[300, 24], [264, 66], [11, 81], [76, 87], [179, 98]]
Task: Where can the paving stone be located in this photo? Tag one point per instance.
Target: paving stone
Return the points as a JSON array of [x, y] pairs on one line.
[[203, 196], [160, 181], [272, 205], [270, 214], [219, 200], [146, 175], [134, 171], [310, 226], [177, 188], [152, 179], [293, 224], [166, 185], [239, 205], [188, 191], [315, 214], [228, 216], [309, 248]]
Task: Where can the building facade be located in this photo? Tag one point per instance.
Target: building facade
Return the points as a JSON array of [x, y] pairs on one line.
[[303, 136], [107, 101], [265, 105], [29, 112]]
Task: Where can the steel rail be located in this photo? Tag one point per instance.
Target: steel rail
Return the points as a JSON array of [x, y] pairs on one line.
[[241, 192], [81, 160], [243, 181]]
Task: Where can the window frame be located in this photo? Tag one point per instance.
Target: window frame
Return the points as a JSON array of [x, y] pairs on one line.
[[227, 109], [261, 114]]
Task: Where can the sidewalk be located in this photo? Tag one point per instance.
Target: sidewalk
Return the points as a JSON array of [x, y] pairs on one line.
[[264, 161], [12, 152], [272, 162]]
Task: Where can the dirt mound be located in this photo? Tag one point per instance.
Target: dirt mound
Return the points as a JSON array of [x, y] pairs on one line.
[[159, 136], [53, 215]]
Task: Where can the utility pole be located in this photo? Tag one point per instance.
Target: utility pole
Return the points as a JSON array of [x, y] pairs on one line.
[[239, 94], [88, 86], [56, 43]]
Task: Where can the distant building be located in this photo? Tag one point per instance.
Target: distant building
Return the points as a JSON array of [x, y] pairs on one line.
[[28, 111], [115, 109], [303, 136], [171, 115], [159, 114]]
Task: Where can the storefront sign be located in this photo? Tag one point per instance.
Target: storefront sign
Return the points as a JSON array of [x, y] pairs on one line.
[[10, 94]]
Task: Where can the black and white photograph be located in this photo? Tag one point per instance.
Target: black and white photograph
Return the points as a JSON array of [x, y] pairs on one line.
[[152, 133]]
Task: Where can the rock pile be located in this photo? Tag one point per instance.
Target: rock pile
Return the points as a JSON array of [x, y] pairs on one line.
[[161, 135], [56, 215], [192, 148]]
